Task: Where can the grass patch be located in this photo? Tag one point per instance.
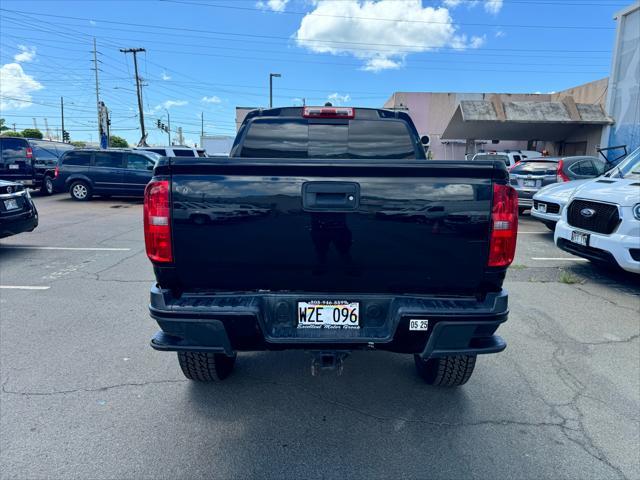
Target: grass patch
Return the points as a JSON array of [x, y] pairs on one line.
[[569, 278], [518, 266]]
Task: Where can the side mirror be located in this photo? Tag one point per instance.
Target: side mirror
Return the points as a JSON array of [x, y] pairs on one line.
[[425, 140]]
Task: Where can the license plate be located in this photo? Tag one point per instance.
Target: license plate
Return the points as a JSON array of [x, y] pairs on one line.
[[542, 207], [11, 204], [418, 325], [580, 238], [529, 183], [328, 314]]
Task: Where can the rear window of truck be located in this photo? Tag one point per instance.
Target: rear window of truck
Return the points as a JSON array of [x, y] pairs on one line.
[[13, 149], [491, 157], [293, 138]]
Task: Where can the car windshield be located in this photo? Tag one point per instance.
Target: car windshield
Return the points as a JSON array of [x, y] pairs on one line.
[[629, 167]]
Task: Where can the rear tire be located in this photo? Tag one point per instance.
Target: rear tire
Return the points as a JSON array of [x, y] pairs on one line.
[[206, 366], [47, 186], [80, 191], [450, 371]]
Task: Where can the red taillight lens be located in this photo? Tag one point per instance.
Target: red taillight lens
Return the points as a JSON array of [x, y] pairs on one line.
[[562, 177], [504, 226], [29, 152], [157, 221], [56, 172], [328, 112]]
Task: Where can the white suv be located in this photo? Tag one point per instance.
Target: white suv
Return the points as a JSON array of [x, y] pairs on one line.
[[175, 151], [601, 221], [509, 157]]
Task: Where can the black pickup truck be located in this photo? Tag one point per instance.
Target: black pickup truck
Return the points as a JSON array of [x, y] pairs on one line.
[[327, 230]]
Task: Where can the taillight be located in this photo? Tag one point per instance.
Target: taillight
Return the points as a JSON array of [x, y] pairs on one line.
[[561, 176], [56, 172], [29, 152], [504, 226], [157, 221], [328, 112]]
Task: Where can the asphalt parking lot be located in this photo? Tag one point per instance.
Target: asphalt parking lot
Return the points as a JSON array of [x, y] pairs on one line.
[[84, 396]]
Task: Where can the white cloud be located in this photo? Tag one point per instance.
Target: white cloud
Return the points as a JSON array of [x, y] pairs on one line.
[[275, 5], [337, 99], [477, 42], [500, 34], [92, 23], [348, 26], [167, 105], [26, 54], [490, 6], [15, 84], [165, 76], [212, 99]]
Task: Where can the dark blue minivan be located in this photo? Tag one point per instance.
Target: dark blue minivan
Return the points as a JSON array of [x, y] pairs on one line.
[[87, 172]]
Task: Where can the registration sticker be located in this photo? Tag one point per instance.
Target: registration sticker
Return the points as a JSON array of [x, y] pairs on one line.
[[418, 325]]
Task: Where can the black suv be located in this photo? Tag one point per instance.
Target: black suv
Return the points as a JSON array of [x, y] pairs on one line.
[[17, 211], [30, 161], [85, 172]]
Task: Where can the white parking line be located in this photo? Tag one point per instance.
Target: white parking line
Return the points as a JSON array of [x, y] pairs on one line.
[[23, 287], [548, 231], [568, 259], [89, 249]]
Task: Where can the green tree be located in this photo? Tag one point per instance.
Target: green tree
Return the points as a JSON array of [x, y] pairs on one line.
[[118, 142], [3, 127], [79, 144], [32, 133], [10, 133]]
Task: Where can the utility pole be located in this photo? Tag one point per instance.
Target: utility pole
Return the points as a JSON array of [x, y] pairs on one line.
[[95, 65], [271, 75], [46, 128], [62, 116], [168, 125], [201, 126], [14, 127], [135, 51]]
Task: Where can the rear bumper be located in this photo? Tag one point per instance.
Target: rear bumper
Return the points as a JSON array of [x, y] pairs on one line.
[[227, 323], [22, 223]]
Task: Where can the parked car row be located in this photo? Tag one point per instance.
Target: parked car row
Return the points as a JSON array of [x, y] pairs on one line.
[[597, 219]]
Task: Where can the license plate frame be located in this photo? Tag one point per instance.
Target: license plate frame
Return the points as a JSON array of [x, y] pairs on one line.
[[580, 238], [529, 183], [542, 207], [14, 166], [328, 314], [11, 204]]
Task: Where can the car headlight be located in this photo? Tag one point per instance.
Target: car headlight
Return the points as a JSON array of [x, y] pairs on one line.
[[636, 211]]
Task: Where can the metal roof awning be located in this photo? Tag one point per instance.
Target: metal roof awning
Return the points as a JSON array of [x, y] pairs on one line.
[[497, 120]]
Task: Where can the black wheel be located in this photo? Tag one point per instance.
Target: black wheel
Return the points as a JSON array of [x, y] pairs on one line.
[[550, 225], [446, 371], [47, 186], [80, 190], [205, 366], [522, 209]]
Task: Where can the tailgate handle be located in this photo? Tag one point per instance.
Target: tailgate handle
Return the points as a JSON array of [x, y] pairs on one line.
[[330, 196]]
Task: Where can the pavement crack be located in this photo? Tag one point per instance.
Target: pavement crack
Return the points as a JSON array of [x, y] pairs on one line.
[[89, 390]]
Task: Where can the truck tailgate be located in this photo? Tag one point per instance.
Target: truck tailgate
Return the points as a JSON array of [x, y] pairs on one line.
[[354, 226]]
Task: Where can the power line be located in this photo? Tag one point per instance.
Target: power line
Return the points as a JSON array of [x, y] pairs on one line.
[[394, 20], [311, 40]]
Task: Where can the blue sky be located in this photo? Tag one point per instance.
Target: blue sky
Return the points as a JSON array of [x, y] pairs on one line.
[[208, 56]]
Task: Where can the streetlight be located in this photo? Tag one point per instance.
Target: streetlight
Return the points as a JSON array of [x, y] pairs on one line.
[[168, 126], [271, 75]]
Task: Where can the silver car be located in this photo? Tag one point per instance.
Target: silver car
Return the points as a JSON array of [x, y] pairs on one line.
[[530, 175]]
